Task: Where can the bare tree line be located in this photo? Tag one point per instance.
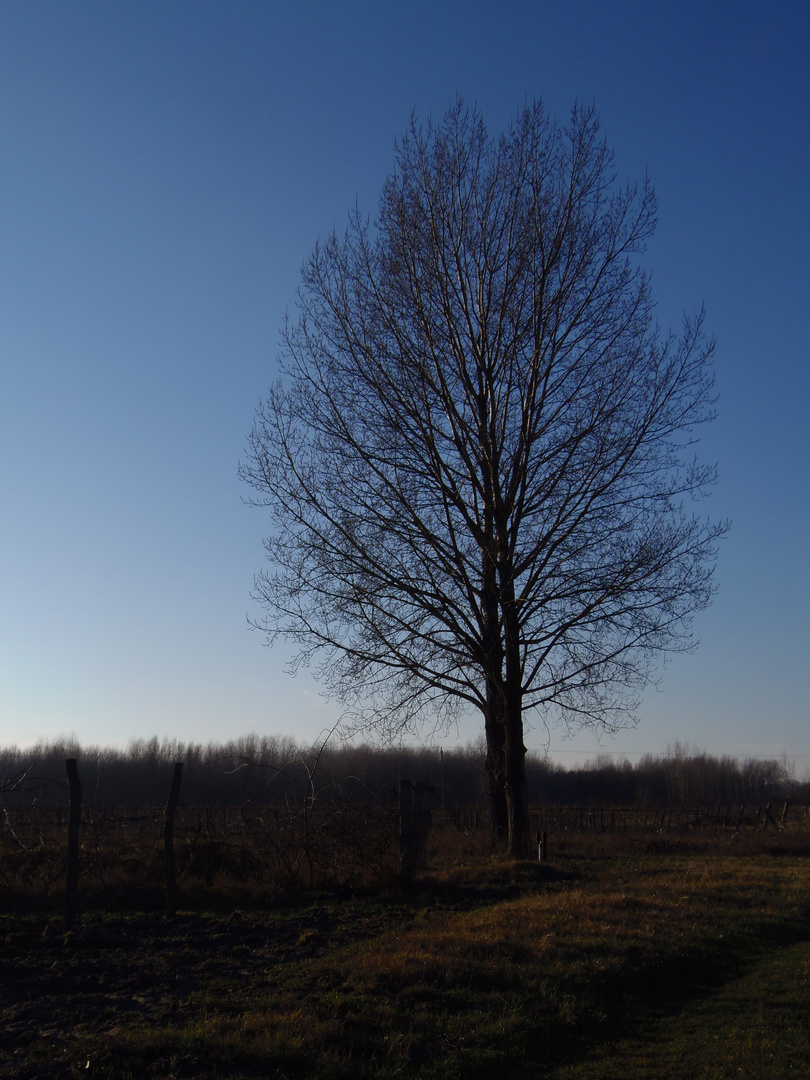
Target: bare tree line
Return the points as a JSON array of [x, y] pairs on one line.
[[273, 770]]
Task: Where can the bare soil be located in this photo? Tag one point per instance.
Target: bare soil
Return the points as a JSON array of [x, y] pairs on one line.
[[62, 996]]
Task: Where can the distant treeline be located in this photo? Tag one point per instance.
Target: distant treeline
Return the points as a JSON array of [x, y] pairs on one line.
[[278, 771]]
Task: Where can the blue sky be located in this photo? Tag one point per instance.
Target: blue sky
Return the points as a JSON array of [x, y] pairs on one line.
[[166, 167]]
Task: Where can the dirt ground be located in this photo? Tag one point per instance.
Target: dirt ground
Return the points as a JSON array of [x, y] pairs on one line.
[[64, 995]]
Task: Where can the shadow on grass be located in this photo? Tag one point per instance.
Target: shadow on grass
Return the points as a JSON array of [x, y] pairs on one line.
[[633, 1007]]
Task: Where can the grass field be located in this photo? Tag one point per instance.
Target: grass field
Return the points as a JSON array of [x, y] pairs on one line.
[[625, 957]]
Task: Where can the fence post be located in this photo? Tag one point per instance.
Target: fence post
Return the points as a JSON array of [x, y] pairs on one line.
[[168, 841], [74, 822], [421, 818], [542, 846], [406, 859]]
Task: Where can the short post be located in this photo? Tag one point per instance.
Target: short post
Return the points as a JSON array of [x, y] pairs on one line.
[[542, 848], [406, 859], [74, 823], [420, 819], [168, 841]]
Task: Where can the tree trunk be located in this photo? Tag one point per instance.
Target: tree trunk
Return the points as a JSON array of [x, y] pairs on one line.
[[506, 768], [516, 791], [496, 699], [496, 769], [517, 795]]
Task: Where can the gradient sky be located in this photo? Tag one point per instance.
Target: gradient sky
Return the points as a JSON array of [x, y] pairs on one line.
[[165, 168]]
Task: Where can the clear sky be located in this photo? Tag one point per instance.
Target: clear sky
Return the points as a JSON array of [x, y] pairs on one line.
[[165, 168]]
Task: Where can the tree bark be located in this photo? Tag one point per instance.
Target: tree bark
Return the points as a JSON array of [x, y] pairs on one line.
[[493, 663], [496, 769], [517, 796]]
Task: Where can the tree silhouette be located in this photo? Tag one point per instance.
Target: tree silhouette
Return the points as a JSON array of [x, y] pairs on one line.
[[477, 458]]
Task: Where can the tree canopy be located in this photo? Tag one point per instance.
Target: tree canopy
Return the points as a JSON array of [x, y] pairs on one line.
[[478, 457]]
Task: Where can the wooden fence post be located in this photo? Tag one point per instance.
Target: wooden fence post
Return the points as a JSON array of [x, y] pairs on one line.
[[420, 820], [413, 826], [74, 822], [168, 841], [406, 859]]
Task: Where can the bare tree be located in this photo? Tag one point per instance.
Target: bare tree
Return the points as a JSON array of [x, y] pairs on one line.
[[477, 459]]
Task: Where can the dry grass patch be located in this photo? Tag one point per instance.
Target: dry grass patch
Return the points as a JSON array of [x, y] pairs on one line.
[[457, 992], [613, 963]]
